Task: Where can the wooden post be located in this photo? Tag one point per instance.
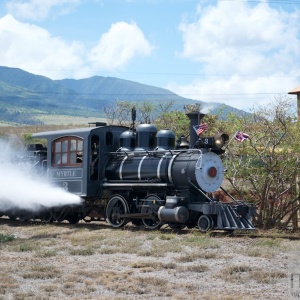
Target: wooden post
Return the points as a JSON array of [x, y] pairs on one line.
[[296, 91], [296, 219], [298, 105]]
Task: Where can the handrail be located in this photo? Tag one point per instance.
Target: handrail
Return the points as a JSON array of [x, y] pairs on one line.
[[199, 190], [151, 152]]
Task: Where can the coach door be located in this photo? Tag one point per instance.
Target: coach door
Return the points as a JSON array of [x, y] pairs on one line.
[[94, 158]]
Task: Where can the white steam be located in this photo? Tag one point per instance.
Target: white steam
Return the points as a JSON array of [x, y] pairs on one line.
[[22, 188]]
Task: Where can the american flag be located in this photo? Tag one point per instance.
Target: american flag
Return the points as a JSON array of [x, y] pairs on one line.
[[241, 136], [200, 128]]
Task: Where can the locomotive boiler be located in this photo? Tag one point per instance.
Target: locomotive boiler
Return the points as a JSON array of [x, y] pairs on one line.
[[140, 176]]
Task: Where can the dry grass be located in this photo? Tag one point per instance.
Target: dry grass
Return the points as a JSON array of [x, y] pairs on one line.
[[267, 277], [266, 247], [42, 272], [90, 262], [19, 132], [245, 273], [67, 120]]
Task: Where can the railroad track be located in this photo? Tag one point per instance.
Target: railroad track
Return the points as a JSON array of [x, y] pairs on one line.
[[253, 234], [257, 234]]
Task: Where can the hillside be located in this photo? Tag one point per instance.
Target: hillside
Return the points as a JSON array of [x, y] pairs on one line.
[[26, 98]]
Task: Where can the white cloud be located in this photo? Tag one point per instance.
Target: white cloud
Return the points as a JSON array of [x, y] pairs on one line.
[[39, 9], [256, 47], [32, 48], [119, 45], [235, 91]]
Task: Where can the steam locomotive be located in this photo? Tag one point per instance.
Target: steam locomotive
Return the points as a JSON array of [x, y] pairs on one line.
[[138, 175]]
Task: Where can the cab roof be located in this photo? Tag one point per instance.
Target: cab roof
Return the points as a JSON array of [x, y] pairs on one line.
[[85, 131]]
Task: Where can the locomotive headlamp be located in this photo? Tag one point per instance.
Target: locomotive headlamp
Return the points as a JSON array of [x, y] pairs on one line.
[[221, 139]]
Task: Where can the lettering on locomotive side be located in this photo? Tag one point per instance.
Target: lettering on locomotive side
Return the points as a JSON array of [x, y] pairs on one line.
[[77, 173], [65, 174]]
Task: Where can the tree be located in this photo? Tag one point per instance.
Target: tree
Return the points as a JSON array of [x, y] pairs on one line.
[[146, 111], [264, 169], [120, 113], [176, 121]]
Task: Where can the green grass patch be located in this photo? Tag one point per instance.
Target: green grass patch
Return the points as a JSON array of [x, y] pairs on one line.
[[269, 243], [201, 241], [28, 246], [82, 251], [6, 238]]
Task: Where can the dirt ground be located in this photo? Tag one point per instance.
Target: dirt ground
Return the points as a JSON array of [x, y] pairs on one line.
[[92, 261]]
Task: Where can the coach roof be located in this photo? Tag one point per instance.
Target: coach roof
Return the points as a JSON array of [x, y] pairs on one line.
[[76, 131]]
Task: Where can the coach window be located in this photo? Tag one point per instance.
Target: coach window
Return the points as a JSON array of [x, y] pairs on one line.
[[67, 151]]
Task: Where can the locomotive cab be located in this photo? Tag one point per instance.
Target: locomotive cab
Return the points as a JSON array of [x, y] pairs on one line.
[[76, 157]]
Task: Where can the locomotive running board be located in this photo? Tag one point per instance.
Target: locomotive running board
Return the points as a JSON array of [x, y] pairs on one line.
[[107, 184]]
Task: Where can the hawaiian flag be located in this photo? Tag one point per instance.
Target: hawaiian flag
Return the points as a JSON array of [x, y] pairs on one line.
[[200, 128], [241, 136]]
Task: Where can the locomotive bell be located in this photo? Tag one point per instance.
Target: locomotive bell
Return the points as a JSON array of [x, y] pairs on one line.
[[182, 143]]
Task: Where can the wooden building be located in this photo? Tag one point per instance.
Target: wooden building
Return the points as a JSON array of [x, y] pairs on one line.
[[296, 91]]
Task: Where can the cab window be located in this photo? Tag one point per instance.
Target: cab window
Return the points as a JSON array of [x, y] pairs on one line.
[[67, 151]]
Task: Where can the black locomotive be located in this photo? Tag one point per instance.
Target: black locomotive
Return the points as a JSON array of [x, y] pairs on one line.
[[139, 176]]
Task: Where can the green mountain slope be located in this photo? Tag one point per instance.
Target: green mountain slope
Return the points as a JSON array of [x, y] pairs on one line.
[[33, 96], [114, 88], [19, 78]]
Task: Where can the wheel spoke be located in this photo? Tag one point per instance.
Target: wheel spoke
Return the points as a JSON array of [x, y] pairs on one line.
[[151, 207], [116, 206]]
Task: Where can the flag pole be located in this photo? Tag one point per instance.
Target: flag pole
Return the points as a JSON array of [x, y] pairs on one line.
[[230, 140]]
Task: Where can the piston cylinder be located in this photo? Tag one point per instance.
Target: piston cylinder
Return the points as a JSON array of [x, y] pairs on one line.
[[179, 214]]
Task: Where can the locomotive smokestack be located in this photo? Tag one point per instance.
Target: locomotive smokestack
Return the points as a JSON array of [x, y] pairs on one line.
[[195, 119]]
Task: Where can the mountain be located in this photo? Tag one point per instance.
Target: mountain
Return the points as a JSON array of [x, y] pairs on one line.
[[110, 87], [26, 98], [97, 91]]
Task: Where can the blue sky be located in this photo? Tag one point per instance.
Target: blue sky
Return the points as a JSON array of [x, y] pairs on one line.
[[237, 52]]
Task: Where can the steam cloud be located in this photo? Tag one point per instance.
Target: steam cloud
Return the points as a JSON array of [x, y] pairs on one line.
[[22, 188]]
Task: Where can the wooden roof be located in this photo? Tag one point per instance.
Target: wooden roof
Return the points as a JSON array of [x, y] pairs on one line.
[[295, 91]]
